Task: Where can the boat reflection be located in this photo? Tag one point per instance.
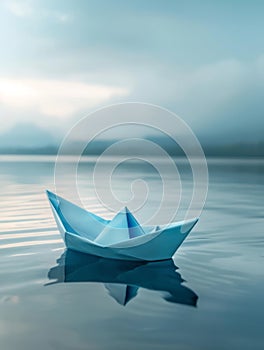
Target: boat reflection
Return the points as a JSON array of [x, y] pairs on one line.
[[123, 278]]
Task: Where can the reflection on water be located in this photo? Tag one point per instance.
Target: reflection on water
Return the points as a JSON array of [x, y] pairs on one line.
[[123, 278]]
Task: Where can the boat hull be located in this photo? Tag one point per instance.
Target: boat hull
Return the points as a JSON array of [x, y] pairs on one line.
[[161, 247]]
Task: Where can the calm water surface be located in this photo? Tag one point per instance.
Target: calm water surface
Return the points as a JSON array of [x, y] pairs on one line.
[[210, 297]]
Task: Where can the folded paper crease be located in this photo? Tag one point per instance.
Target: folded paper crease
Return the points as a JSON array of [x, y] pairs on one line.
[[120, 238]]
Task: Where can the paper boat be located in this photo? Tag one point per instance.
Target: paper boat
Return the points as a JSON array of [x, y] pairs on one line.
[[122, 278], [121, 238]]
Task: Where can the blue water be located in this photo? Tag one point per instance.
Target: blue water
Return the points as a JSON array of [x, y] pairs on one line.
[[209, 297]]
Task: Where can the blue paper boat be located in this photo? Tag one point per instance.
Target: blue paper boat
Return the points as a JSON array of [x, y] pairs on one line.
[[121, 238]]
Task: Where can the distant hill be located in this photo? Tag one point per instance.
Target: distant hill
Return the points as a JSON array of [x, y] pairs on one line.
[[98, 147], [235, 150], [26, 135], [31, 139]]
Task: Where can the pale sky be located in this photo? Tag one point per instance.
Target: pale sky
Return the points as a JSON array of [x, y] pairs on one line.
[[203, 60]]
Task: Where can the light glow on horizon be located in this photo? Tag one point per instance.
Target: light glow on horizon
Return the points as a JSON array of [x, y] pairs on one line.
[[55, 98]]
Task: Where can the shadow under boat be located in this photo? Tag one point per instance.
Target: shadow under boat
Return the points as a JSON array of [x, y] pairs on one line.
[[123, 278]]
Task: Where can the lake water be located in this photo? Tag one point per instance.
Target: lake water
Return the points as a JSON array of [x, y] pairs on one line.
[[210, 297]]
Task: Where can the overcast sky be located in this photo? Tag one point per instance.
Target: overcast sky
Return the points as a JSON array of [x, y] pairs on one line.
[[204, 60]]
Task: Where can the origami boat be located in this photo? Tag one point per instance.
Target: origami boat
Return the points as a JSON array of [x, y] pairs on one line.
[[121, 238], [122, 279]]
